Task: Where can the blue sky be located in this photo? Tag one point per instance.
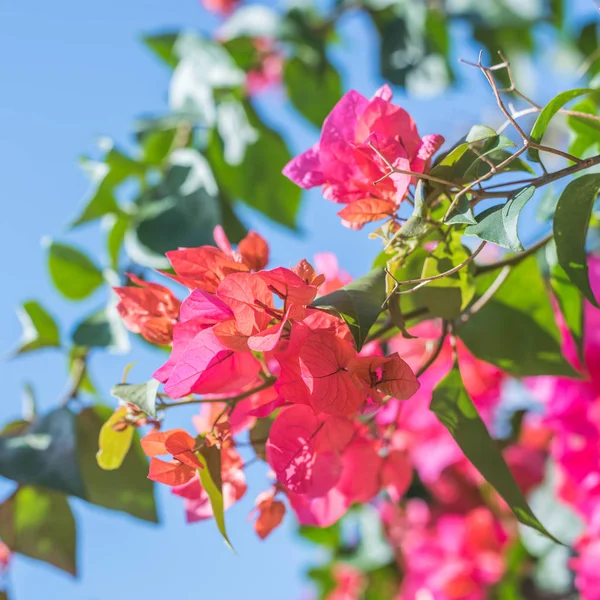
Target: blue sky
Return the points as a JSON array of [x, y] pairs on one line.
[[72, 72]]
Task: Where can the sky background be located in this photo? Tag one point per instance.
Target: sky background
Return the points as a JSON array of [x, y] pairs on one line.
[[72, 72]]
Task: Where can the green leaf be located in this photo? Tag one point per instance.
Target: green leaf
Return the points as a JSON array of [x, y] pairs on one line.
[[210, 478], [126, 489], [251, 21], [446, 297], [499, 224], [463, 213], [330, 537], [259, 434], [257, 179], [313, 87], [74, 275], [39, 524], [115, 239], [181, 212], [142, 395], [163, 46], [455, 410], [76, 355], [44, 454], [359, 303], [571, 222], [113, 446], [546, 115], [570, 301], [102, 329], [416, 225], [39, 328], [516, 329]]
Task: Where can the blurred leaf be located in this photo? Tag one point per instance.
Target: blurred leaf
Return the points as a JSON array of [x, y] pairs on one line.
[[113, 445], [313, 88], [181, 212], [323, 578], [102, 202], [127, 489], [359, 303], [210, 478], [455, 409], [571, 222], [44, 454], [257, 180], [115, 239], [548, 112], [39, 328], [516, 329], [499, 224], [163, 46], [251, 21], [382, 583], [28, 403], [234, 228], [39, 524], [259, 434], [102, 329], [547, 206], [158, 144], [330, 537], [74, 275], [76, 355], [142, 395]]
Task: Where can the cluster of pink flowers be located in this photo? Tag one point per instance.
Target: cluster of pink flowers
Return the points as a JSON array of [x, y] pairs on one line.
[[360, 140], [250, 332]]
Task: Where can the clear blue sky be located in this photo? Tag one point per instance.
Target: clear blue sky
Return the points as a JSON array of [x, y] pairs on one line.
[[72, 71]]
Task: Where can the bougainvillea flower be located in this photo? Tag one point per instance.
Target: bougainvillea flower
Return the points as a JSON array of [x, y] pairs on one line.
[[324, 362], [270, 514], [222, 7], [180, 445], [149, 309], [206, 366], [254, 251], [349, 583], [321, 511], [292, 453], [288, 286], [344, 161], [335, 277], [197, 501]]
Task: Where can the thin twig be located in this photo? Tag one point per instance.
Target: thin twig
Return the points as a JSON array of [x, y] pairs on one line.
[[422, 282], [231, 400], [516, 258], [435, 353], [486, 297], [393, 170]]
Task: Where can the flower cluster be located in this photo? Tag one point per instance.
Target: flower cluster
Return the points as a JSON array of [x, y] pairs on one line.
[[247, 340], [361, 142]]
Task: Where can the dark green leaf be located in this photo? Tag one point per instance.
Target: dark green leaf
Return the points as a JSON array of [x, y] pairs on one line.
[[181, 212], [313, 88], [359, 303], [516, 329], [548, 112], [257, 180], [455, 409], [416, 225], [44, 454], [39, 328], [127, 489], [210, 478], [571, 222], [499, 224], [101, 202], [76, 355], [102, 329], [142, 395], [259, 434], [74, 275], [39, 524]]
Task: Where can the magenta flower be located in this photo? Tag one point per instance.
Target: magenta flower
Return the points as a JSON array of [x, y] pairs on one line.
[[347, 160]]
